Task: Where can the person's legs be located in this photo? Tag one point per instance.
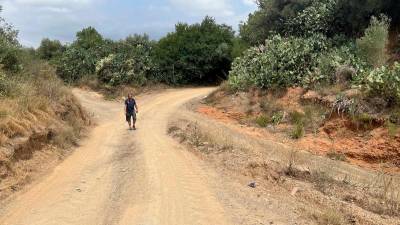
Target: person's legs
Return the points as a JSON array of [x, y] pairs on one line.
[[128, 119], [134, 121]]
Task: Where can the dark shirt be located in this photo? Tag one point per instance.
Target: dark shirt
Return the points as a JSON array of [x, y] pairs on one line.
[[130, 105]]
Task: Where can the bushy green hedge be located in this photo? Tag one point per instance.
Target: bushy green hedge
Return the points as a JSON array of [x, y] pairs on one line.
[[197, 53], [75, 63], [117, 69], [385, 82], [282, 62]]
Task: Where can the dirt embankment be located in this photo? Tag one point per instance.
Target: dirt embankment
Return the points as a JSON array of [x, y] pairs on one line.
[[298, 186], [363, 140], [36, 133]]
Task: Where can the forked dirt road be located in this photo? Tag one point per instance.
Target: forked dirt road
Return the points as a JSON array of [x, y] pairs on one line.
[[119, 176]]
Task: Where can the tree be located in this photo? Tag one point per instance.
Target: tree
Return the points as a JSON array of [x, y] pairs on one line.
[[88, 38], [197, 53], [270, 18], [9, 47], [130, 62], [372, 45], [81, 57], [349, 18], [50, 49]]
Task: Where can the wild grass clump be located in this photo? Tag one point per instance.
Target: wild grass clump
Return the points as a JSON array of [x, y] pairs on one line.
[[277, 118], [337, 156], [262, 120], [298, 120], [392, 129], [330, 217]]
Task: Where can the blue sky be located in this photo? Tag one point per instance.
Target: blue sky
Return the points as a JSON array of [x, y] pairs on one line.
[[61, 19]]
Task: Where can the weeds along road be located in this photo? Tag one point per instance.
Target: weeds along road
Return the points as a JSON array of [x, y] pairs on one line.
[[119, 176]]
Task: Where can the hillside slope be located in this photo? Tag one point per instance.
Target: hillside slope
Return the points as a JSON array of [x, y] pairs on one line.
[[39, 121]]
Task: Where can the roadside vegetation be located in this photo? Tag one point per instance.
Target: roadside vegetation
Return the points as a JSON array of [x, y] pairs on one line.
[[37, 112], [321, 69]]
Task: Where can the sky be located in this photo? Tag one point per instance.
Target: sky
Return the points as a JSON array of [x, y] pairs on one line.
[[115, 19]]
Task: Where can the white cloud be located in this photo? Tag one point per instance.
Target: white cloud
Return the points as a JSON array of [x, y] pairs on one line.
[[249, 2], [53, 3], [222, 7]]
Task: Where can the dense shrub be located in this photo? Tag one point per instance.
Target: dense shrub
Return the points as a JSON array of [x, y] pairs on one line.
[[9, 47], [197, 53], [76, 63], [82, 55], [314, 19], [350, 18], [385, 82], [282, 62], [372, 45], [334, 60], [118, 69], [50, 49], [130, 63]]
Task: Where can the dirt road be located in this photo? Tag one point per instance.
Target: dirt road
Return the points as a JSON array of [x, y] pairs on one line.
[[119, 176]]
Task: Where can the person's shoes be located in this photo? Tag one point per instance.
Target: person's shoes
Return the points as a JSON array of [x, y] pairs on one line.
[[134, 128]]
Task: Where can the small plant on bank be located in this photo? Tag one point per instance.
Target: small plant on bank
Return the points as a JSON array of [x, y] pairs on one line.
[[298, 131], [262, 120], [330, 217], [277, 118], [298, 120], [363, 121], [337, 156], [392, 129]]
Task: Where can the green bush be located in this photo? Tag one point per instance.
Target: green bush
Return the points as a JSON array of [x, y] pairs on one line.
[[262, 121], [9, 47], [131, 62], [297, 17], [81, 57], [75, 63], [385, 82], [277, 118], [297, 131], [119, 69], [198, 53], [282, 62], [314, 19], [372, 45], [50, 49]]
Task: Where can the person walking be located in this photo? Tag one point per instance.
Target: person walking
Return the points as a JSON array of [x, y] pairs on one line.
[[131, 109]]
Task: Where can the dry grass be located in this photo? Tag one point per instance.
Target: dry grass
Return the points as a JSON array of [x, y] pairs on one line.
[[330, 217], [386, 195], [39, 118], [40, 103]]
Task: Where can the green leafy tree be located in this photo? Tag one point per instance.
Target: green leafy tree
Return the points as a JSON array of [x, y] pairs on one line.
[[372, 45], [76, 63], [195, 53], [9, 47], [130, 62], [82, 55], [349, 18], [88, 38], [50, 49], [270, 18], [316, 18], [282, 62]]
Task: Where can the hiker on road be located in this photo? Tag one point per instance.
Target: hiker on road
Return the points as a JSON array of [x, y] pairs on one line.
[[131, 109]]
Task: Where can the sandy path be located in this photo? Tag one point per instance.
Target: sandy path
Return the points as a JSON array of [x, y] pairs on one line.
[[118, 176]]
